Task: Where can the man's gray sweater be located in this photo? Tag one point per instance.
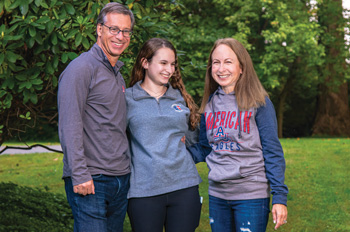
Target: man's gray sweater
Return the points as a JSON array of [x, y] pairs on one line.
[[92, 118]]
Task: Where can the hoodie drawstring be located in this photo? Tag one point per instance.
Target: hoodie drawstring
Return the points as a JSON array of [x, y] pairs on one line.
[[212, 110], [239, 124]]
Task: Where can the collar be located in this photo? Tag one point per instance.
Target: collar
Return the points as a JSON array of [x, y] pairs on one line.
[[103, 58], [221, 91], [139, 93]]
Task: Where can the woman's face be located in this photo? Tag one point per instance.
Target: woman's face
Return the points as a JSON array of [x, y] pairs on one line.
[[225, 68], [161, 67]]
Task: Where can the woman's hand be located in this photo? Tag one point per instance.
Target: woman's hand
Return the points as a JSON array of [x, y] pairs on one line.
[[183, 139], [279, 215]]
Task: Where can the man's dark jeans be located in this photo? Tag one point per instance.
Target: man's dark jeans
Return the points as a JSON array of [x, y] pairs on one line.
[[103, 211]]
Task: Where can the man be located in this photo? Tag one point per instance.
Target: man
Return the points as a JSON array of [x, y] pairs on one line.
[[92, 125]]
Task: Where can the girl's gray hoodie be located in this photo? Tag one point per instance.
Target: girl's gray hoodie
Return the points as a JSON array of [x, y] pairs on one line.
[[160, 162]]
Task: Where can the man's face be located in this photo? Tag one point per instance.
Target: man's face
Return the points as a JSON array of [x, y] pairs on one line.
[[113, 45]]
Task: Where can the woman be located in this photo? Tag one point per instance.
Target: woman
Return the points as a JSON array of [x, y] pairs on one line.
[[238, 140], [164, 179]]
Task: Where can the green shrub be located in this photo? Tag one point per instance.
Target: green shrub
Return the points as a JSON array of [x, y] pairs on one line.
[[37, 41], [28, 209]]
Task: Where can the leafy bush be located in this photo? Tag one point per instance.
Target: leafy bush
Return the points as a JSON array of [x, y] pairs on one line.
[[37, 41], [28, 209]]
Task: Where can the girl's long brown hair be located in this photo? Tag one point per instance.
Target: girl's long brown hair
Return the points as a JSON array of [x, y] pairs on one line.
[[147, 52], [249, 91]]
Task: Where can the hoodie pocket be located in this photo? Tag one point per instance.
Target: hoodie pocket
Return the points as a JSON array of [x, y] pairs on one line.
[[224, 172]]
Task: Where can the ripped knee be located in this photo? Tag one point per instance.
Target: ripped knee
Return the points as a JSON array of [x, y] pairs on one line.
[[211, 220]]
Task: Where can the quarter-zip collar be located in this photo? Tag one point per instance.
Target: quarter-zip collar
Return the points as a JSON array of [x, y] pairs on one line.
[[101, 56], [139, 93]]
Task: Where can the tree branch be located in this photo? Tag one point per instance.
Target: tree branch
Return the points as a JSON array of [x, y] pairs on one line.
[[29, 148]]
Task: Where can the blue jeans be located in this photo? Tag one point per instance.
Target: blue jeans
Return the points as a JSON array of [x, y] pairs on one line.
[[238, 215], [103, 211]]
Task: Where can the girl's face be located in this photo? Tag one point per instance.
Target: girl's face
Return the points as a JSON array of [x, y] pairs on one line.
[[161, 67], [226, 68]]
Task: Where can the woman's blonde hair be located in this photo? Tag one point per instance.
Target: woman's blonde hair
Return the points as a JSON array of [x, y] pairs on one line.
[[248, 89], [147, 52]]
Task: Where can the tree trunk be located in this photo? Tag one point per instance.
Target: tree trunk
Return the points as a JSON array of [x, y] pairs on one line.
[[285, 92], [333, 114], [281, 103], [280, 111]]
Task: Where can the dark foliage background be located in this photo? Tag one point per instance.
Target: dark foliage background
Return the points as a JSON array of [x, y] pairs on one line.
[[298, 50]]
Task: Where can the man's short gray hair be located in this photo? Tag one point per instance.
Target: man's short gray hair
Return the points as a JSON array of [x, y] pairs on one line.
[[114, 7]]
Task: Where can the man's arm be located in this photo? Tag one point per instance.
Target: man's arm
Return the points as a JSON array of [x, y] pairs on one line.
[[72, 95]]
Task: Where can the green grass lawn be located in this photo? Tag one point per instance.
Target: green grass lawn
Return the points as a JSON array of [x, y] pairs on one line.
[[316, 174]]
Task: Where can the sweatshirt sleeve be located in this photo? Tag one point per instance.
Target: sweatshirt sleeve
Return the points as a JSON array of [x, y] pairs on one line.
[[272, 151], [200, 150], [72, 96], [191, 136]]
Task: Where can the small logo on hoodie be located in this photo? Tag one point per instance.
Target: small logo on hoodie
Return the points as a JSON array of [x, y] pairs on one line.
[[223, 142], [221, 135], [176, 107]]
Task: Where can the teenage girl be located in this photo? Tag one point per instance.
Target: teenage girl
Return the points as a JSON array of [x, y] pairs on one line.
[[164, 179]]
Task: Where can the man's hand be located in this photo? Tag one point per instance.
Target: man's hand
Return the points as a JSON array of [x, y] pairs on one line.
[[85, 188]]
